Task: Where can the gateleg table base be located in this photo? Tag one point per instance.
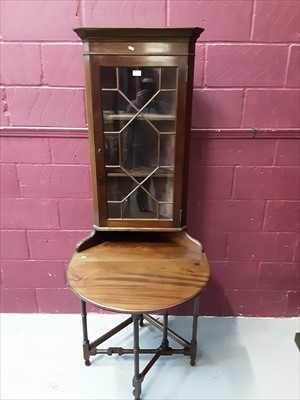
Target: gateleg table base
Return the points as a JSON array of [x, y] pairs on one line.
[[187, 348]]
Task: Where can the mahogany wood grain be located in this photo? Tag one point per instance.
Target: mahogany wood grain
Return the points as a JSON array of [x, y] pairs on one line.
[[138, 48], [140, 34], [140, 275]]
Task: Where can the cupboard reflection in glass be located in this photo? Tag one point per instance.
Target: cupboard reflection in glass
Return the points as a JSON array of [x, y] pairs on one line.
[[139, 125]]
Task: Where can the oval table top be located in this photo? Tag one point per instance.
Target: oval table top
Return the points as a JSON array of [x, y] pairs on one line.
[[139, 276]]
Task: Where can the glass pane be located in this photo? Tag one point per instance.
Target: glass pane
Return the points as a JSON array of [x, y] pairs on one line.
[[163, 184], [166, 102], [119, 186], [141, 204], [114, 107], [128, 81], [165, 211], [169, 78], [138, 104], [167, 150], [139, 146], [111, 155], [108, 77], [114, 210], [134, 80], [164, 123]]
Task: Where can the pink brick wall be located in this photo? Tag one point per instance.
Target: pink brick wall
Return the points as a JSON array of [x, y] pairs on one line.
[[244, 191]]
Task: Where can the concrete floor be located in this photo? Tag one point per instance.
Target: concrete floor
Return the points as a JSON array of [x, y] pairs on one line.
[[238, 358]]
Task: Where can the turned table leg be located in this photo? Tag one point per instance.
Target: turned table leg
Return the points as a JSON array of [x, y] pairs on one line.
[[86, 343], [194, 334], [137, 377]]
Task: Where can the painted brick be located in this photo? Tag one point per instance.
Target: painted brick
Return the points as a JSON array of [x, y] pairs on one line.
[[276, 21], [256, 303], [54, 181], [70, 151], [20, 63], [76, 214], [54, 245], [217, 108], [35, 106], [297, 250], [192, 217], [29, 214], [57, 300], [279, 276], [231, 215], [212, 298], [199, 65], [63, 64], [214, 243], [288, 152], [261, 246], [183, 309], [246, 65], [93, 309], [222, 20], [9, 181], [120, 13], [293, 75], [4, 115], [33, 274], [231, 152], [282, 216], [275, 108], [267, 183], [235, 274], [25, 150], [18, 300], [293, 304], [210, 182], [13, 245], [39, 20], [286, 246]]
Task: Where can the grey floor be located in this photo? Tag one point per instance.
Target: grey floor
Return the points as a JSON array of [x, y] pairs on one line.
[[238, 358]]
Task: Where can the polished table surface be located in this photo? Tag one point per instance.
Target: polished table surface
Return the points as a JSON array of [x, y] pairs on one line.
[[140, 276]]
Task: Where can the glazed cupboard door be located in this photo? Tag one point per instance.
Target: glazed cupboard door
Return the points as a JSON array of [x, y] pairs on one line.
[[139, 127]]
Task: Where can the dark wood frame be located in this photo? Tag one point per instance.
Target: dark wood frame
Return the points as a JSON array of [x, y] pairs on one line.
[[133, 48], [159, 47]]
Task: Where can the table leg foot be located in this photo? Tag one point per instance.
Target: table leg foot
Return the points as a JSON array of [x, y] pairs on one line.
[[137, 384], [137, 377], [193, 350], [86, 343]]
